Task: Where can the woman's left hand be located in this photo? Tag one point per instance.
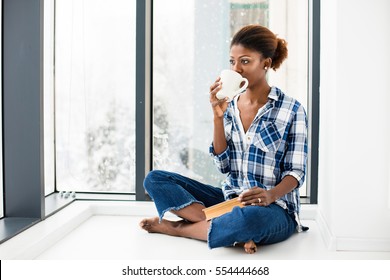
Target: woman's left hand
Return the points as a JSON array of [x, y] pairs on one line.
[[256, 196]]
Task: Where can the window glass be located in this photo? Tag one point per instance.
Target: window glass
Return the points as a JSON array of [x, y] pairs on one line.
[[289, 19], [190, 49], [95, 95]]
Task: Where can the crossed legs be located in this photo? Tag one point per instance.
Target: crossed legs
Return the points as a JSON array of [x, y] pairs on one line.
[[193, 225], [171, 191]]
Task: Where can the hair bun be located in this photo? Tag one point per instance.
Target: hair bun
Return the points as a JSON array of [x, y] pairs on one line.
[[280, 54]]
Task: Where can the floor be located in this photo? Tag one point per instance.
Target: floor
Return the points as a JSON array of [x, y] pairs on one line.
[[117, 236], [103, 241]]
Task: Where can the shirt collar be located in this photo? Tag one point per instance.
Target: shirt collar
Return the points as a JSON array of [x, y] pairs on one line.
[[274, 94]]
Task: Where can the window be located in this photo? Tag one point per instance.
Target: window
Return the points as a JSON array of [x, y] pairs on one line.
[[94, 85], [95, 119], [190, 49], [91, 128]]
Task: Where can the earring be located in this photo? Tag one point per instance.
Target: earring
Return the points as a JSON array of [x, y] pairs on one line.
[[265, 68]]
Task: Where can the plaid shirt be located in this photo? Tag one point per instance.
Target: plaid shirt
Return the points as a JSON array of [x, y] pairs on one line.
[[277, 146]]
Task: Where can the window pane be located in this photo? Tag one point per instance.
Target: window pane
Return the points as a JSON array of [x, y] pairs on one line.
[[190, 49], [289, 19], [95, 94], [187, 54]]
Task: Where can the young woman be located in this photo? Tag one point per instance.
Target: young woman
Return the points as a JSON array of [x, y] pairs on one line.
[[260, 142]]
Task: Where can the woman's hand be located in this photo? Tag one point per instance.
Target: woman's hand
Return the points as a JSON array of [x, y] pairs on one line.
[[256, 196], [219, 106]]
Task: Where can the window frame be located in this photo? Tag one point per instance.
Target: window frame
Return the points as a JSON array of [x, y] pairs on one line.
[[13, 223], [23, 189], [313, 99]]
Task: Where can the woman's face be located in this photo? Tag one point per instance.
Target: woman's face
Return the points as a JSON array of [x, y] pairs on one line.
[[249, 63]]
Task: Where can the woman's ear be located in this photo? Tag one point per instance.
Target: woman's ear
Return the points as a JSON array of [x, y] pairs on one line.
[[267, 63]]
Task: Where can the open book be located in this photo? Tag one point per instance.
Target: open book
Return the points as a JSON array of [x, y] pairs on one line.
[[221, 208]]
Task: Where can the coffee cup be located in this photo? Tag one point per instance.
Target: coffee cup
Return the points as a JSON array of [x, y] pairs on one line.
[[231, 84]]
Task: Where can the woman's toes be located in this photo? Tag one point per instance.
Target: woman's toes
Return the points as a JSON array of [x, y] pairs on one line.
[[250, 247]]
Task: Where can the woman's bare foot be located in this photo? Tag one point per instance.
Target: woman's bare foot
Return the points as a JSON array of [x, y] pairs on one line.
[[250, 247], [152, 225]]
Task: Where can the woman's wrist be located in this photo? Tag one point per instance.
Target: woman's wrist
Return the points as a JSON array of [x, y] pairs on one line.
[[218, 119], [287, 184], [273, 195]]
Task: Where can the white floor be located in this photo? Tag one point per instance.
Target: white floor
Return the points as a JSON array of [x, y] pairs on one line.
[[110, 231], [119, 237]]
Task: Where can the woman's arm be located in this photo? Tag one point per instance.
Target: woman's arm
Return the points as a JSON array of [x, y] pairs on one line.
[[219, 107], [295, 159], [219, 140], [267, 197]]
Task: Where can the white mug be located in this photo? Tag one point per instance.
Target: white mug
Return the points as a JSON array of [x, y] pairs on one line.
[[231, 81]]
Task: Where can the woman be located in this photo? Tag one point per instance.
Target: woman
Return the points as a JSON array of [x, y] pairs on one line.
[[260, 141]]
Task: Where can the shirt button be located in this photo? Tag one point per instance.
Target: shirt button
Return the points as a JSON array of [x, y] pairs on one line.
[[248, 138]]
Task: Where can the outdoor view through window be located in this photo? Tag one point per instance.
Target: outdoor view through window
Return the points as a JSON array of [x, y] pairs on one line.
[[95, 95], [94, 53]]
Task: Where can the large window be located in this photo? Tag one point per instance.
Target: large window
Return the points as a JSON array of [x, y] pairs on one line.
[[93, 58], [190, 49], [94, 65], [94, 90]]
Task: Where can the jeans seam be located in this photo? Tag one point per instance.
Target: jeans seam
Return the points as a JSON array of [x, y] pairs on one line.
[[209, 233]]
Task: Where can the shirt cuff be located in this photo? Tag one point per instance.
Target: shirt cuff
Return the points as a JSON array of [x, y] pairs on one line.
[[298, 175], [221, 160], [220, 156]]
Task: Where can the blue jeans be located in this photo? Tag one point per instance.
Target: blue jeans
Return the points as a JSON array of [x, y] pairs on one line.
[[263, 225]]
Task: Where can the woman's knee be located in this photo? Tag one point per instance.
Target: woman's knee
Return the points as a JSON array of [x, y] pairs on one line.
[[155, 178], [152, 176]]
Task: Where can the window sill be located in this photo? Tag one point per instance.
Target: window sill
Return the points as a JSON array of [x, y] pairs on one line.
[[12, 226], [34, 241]]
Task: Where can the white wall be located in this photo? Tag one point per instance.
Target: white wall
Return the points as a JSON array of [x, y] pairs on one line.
[[354, 165]]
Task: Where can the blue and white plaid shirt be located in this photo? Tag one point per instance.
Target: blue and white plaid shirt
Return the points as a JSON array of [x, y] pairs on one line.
[[277, 147]]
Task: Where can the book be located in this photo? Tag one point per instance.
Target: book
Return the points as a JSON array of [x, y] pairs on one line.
[[221, 208]]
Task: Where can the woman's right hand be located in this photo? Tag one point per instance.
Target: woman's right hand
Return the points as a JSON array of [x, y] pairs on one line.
[[219, 106]]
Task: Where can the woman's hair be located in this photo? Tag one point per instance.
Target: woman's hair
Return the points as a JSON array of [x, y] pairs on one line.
[[264, 41]]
